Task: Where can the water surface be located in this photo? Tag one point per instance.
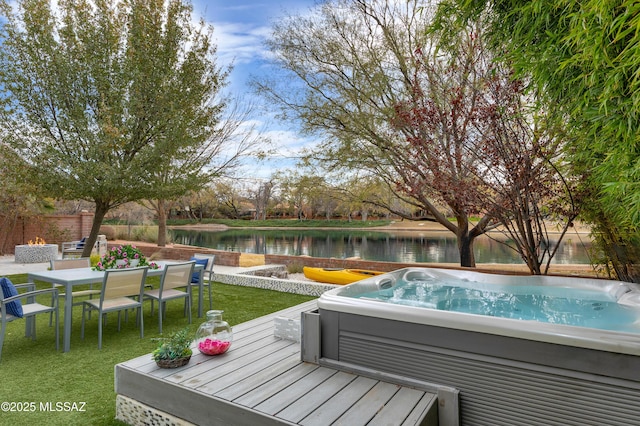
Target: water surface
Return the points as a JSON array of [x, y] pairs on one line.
[[555, 305], [389, 246]]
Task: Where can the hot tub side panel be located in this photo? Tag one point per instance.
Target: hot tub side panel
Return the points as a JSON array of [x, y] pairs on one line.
[[501, 379]]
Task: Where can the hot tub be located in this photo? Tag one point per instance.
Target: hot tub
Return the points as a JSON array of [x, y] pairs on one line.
[[498, 340]]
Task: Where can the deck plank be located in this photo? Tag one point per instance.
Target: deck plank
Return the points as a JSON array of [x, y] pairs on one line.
[[340, 403], [398, 407], [231, 374], [273, 386], [251, 382], [317, 396], [295, 391], [200, 373], [366, 408], [421, 410]]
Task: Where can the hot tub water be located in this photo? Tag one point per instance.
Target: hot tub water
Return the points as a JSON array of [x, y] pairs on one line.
[[556, 305]]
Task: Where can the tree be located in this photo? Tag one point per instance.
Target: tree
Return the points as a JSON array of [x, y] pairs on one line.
[[228, 199], [216, 153], [397, 104], [583, 58], [103, 97], [302, 191], [261, 199]]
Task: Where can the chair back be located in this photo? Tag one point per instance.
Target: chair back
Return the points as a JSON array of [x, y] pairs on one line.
[[82, 262], [176, 275], [123, 282], [211, 257]]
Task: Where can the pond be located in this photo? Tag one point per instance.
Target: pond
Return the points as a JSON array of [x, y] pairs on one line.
[[389, 246]]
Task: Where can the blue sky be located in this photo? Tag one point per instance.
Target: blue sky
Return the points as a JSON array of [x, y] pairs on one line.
[[240, 28]]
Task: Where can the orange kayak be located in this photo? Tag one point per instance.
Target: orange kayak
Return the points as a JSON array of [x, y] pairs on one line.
[[338, 275]]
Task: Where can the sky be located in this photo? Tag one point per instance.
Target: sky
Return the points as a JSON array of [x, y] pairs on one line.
[[240, 28]]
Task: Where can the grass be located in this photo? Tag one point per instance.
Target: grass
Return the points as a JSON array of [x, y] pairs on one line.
[[284, 223], [34, 374], [149, 233]]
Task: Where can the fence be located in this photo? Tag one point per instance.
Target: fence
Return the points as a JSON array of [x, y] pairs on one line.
[[54, 229]]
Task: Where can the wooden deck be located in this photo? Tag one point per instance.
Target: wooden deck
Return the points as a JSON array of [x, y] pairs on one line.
[[261, 380]]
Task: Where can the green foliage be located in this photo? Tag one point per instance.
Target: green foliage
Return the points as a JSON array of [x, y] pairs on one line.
[[109, 101], [127, 253], [146, 233], [295, 268], [283, 223], [582, 57], [175, 346], [94, 259]]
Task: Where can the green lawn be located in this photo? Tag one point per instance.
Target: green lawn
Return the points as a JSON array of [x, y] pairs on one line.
[[285, 223], [34, 377]]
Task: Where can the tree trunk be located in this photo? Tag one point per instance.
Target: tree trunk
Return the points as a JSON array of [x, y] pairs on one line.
[[162, 224], [465, 248], [101, 211]]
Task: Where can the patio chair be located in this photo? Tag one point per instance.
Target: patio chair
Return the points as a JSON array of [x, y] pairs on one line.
[[12, 309], [174, 276], [81, 262], [119, 287], [74, 249], [207, 277]]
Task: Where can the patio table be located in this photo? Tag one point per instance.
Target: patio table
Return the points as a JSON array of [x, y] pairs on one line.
[[79, 276]]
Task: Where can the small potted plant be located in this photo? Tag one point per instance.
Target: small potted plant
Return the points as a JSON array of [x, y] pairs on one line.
[[174, 351]]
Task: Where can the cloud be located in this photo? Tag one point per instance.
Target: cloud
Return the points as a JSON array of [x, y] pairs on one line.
[[240, 29], [240, 43]]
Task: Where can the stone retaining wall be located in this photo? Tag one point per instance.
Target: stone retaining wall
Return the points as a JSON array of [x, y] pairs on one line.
[[248, 279]]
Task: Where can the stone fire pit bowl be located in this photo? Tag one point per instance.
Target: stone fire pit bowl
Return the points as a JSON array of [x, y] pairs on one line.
[[37, 253]]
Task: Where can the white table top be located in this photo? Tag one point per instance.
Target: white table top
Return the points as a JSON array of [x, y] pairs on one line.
[[78, 276]]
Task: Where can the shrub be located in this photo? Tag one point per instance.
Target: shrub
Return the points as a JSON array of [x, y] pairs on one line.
[[295, 268], [94, 259], [108, 231]]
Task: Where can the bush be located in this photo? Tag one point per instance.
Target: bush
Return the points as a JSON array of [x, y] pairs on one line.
[[143, 233], [295, 268], [94, 259], [108, 231]]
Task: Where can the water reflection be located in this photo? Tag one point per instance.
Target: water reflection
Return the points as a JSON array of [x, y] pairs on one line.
[[409, 247]]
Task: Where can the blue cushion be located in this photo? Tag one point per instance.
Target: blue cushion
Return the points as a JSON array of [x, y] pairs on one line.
[[195, 278], [8, 289], [80, 244]]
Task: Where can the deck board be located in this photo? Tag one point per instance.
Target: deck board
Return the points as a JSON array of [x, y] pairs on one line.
[[242, 387], [366, 408], [340, 403], [269, 388], [324, 391], [295, 391], [261, 380]]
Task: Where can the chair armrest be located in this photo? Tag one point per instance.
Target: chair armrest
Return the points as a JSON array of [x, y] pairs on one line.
[[71, 245], [30, 294], [28, 286]]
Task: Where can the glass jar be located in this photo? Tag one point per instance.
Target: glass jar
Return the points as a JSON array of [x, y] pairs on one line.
[[214, 336]]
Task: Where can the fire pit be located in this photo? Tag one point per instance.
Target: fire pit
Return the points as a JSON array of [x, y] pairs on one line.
[[36, 252]]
